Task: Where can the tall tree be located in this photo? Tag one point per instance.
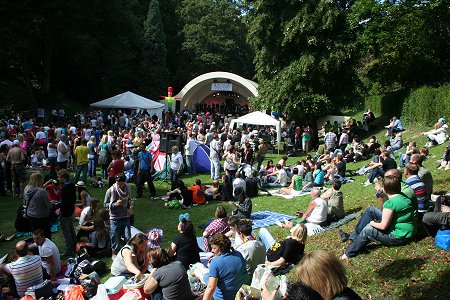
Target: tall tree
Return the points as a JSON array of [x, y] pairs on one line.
[[303, 55], [214, 38], [404, 44], [154, 68]]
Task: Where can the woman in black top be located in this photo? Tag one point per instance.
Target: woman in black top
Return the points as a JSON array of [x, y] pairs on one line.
[[184, 247]]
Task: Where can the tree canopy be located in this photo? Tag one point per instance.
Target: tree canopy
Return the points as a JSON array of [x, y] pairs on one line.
[[309, 57]]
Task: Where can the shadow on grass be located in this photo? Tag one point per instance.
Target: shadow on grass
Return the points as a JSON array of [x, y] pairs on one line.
[[436, 289], [401, 268], [354, 209]]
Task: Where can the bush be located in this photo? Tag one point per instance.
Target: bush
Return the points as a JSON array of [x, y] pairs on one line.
[[426, 105], [388, 104]]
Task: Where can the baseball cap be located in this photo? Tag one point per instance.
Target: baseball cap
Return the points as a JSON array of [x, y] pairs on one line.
[[441, 120], [16, 142]]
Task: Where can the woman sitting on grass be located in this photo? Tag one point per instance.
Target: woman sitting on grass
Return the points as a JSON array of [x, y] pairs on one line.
[[219, 225], [324, 273], [184, 247], [295, 188], [288, 251], [394, 225], [168, 280], [132, 259]]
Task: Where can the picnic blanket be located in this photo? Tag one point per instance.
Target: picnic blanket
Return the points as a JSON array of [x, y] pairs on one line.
[[54, 228], [265, 218], [275, 193], [314, 228]]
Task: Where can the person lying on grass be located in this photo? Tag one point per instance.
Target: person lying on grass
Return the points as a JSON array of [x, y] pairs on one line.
[[289, 251]]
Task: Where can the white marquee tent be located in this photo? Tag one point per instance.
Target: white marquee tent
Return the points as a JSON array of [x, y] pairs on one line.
[[259, 118], [130, 100]]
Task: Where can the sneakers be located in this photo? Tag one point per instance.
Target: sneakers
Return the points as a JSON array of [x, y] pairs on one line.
[[279, 223], [343, 236], [367, 183]]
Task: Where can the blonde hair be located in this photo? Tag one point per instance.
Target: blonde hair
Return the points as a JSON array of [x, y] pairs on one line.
[[36, 181], [300, 233], [323, 272]]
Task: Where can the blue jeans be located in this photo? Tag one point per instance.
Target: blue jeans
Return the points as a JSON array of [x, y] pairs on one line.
[[402, 163], [374, 173], [215, 168], [81, 169], [271, 185], [119, 228], [190, 164], [367, 235], [266, 238], [92, 165], [371, 213]]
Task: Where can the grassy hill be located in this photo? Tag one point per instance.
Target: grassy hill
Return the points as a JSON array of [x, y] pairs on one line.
[[418, 270]]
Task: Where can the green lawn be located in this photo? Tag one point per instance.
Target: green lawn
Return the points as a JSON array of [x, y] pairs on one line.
[[418, 270]]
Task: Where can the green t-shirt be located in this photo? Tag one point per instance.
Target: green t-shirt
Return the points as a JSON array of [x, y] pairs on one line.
[[403, 223], [409, 193], [298, 183]]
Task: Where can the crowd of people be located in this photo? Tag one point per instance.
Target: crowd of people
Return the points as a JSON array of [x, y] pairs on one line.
[[117, 143]]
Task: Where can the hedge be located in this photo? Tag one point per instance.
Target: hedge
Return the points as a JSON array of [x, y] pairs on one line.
[[426, 105]]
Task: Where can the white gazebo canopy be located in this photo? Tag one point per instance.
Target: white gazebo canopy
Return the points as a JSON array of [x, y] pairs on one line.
[[129, 100], [260, 118]]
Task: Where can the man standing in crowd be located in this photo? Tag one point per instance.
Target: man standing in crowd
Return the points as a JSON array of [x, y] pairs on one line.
[[81, 161], [63, 152], [67, 205], [49, 253], [330, 139], [145, 172], [17, 160], [26, 270], [189, 152], [214, 147]]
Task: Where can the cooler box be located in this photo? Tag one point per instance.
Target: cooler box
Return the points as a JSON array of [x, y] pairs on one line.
[[114, 287]]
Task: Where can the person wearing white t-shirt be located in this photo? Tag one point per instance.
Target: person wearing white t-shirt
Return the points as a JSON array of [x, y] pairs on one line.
[[317, 210], [176, 165], [214, 147], [238, 182], [48, 252]]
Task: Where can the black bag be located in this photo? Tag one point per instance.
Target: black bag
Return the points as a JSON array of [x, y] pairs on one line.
[[84, 267], [21, 224], [42, 290], [99, 267]]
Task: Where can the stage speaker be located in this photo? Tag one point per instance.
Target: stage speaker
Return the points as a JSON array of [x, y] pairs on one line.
[[166, 146]]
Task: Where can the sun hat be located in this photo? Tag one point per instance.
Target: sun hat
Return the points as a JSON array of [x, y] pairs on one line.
[[80, 184]]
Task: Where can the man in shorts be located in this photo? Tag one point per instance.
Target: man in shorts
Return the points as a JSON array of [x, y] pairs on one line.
[[17, 159]]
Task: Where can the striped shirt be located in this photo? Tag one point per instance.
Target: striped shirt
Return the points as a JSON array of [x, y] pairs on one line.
[[26, 271], [420, 191]]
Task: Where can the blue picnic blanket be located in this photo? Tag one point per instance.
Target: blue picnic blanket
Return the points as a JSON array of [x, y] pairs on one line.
[[265, 218]]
